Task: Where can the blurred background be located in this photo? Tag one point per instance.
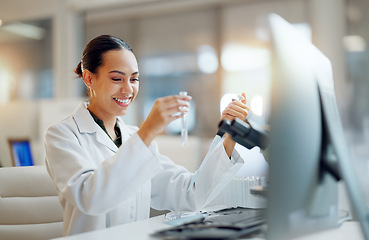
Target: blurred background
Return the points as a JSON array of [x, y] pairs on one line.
[[213, 49]]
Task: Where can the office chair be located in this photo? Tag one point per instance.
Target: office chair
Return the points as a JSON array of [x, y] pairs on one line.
[[29, 205]]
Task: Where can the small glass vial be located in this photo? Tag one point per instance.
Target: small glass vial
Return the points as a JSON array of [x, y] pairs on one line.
[[184, 130]]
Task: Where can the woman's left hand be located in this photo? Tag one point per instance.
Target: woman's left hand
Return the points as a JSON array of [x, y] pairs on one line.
[[236, 109]]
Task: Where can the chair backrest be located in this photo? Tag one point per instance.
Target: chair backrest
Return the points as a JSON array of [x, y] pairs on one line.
[[29, 205]]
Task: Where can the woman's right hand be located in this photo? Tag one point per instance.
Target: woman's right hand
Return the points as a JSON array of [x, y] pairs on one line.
[[164, 111]]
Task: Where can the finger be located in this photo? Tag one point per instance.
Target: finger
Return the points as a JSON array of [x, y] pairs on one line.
[[238, 106], [239, 103], [176, 101], [231, 117], [175, 116], [244, 100], [172, 104], [174, 110], [175, 98], [180, 108], [185, 98], [235, 114]]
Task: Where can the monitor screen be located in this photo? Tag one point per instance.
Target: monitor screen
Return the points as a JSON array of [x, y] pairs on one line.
[[307, 152], [21, 152]]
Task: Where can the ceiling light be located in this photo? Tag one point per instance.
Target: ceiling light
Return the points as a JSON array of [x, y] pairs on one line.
[[354, 43], [239, 57], [25, 30], [207, 59]]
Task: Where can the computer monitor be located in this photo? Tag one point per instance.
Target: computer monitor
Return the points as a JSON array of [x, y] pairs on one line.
[[308, 153], [20, 151]]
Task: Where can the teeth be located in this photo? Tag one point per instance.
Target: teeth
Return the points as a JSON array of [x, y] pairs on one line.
[[122, 100]]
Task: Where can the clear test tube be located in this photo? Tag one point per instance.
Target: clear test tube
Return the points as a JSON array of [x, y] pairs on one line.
[[184, 130]]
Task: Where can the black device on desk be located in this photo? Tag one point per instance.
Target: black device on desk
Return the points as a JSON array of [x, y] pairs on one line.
[[244, 133], [248, 136]]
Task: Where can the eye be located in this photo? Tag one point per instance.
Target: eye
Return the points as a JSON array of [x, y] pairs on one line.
[[116, 79], [135, 80]]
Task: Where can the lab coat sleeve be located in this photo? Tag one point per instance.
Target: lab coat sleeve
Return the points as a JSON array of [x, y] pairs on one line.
[[96, 188], [170, 185]]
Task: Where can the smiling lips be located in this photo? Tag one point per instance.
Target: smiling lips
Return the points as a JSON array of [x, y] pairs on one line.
[[123, 102]]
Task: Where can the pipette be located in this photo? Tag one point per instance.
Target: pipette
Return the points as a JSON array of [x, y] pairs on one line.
[[239, 98], [184, 131]]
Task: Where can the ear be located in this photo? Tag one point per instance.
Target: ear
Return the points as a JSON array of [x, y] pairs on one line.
[[87, 77]]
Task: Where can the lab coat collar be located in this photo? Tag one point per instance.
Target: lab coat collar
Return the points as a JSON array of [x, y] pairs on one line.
[[126, 132], [84, 120], [87, 125]]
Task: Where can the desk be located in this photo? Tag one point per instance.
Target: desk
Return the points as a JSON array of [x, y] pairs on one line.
[[141, 231], [133, 231]]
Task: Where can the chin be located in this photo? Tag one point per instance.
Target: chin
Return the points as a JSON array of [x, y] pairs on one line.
[[122, 112]]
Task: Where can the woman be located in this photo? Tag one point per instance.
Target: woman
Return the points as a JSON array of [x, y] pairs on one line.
[[108, 173]]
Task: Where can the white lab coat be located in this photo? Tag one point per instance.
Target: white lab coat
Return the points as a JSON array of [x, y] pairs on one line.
[[100, 185]]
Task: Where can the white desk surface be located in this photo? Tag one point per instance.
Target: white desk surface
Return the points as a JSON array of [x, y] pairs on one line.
[[141, 231]]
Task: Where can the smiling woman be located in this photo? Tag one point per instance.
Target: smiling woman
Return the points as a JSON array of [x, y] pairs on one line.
[[107, 57], [111, 98], [109, 173]]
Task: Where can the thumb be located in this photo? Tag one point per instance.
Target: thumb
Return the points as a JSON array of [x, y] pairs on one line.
[[244, 100]]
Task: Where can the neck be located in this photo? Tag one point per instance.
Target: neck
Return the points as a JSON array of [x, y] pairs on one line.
[[109, 121]]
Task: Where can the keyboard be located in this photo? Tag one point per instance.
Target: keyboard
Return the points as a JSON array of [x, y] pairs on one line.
[[224, 224], [236, 218]]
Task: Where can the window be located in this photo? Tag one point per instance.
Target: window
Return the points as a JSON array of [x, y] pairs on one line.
[[26, 60]]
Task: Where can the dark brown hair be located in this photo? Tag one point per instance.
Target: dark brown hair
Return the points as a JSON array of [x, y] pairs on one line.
[[92, 55]]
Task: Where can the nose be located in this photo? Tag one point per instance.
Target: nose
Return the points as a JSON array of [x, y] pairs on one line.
[[126, 86]]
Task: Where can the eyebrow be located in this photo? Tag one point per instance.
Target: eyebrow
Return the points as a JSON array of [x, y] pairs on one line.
[[122, 73]]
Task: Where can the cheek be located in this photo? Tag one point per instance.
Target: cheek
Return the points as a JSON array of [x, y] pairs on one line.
[[136, 88], [105, 91]]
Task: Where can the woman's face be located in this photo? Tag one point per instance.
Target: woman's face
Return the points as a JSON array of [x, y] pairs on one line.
[[115, 84]]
